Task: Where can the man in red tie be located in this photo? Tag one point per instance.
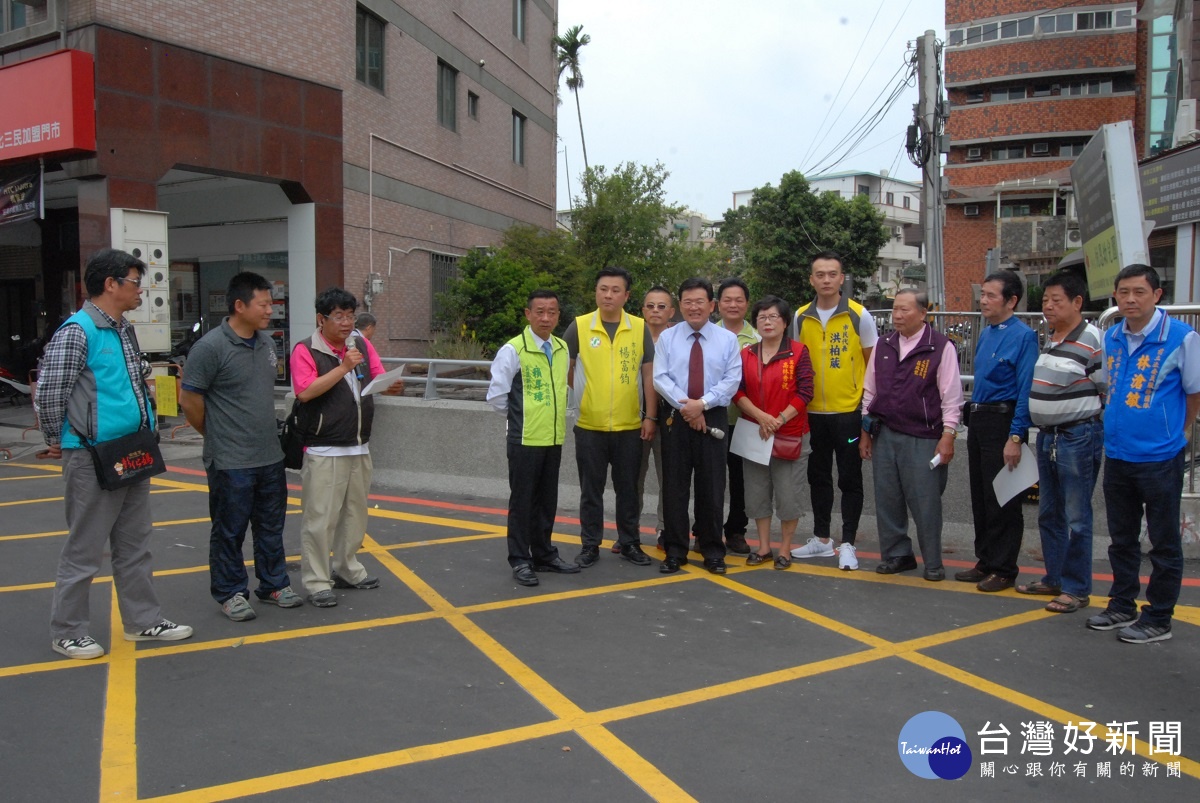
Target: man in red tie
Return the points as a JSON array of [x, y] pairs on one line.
[[697, 369]]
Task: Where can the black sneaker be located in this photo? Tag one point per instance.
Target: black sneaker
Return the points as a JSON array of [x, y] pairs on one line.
[[1108, 619], [588, 556], [1144, 633], [365, 585]]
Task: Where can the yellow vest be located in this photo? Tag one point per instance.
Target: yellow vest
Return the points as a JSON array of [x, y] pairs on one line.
[[612, 372], [836, 354]]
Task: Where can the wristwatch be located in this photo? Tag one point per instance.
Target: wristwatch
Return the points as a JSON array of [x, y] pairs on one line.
[[1016, 439]]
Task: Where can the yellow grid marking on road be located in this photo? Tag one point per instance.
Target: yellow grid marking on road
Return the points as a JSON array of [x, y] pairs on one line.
[[119, 757], [118, 743], [25, 477], [1043, 709]]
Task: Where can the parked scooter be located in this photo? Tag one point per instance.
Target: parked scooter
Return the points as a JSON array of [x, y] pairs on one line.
[[181, 350], [14, 372]]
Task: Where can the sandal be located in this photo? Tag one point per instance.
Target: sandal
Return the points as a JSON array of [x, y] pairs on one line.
[[783, 561], [1065, 603], [755, 559], [1040, 589]]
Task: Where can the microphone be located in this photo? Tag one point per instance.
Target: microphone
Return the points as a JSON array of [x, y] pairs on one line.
[[719, 434], [358, 369]]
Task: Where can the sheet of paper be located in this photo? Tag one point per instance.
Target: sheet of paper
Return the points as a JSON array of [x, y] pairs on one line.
[[747, 444], [384, 381], [1008, 484]]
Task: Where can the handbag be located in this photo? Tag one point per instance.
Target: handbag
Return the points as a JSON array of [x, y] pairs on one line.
[[787, 447], [124, 461], [290, 439]]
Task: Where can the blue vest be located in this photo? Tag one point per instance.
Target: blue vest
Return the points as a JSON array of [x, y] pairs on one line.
[[1144, 419], [104, 389]]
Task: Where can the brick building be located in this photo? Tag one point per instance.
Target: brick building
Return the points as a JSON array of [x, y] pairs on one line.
[[1029, 82], [316, 142]]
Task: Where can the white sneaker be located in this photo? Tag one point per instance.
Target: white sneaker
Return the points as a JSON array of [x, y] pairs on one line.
[[84, 648], [814, 549], [166, 630], [847, 557]]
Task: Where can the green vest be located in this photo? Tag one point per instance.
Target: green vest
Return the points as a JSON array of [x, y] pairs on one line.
[[537, 401]]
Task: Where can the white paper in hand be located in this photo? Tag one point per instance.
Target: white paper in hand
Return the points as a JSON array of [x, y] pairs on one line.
[[1008, 484], [384, 381], [747, 443]]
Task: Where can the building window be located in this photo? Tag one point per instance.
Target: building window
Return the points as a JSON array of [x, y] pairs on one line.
[[447, 93], [1071, 150], [368, 49], [907, 202], [891, 199], [518, 138], [1162, 85], [472, 106], [975, 96], [864, 189], [443, 273], [1094, 87], [1011, 93], [1011, 152], [519, 19], [13, 15], [1018, 27]]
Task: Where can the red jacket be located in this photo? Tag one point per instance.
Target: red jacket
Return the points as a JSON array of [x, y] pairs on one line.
[[786, 380]]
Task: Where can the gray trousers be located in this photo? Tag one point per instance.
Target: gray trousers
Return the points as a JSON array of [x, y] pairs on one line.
[[119, 520], [904, 484]]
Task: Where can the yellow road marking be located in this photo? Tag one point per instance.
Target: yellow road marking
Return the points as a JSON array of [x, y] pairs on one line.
[[118, 753], [24, 477], [1040, 707]]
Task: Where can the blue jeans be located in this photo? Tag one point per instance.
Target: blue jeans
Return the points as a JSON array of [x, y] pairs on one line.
[[237, 498], [1068, 467], [1155, 488]]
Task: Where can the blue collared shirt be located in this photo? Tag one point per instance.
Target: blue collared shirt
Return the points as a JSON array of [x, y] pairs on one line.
[[1004, 361], [722, 364]]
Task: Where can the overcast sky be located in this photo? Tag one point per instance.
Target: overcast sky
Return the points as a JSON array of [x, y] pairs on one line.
[[730, 96]]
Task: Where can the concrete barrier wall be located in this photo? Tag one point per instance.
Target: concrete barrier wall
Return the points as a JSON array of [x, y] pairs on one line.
[[459, 447]]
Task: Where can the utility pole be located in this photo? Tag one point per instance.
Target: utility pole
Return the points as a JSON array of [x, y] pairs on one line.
[[926, 153]]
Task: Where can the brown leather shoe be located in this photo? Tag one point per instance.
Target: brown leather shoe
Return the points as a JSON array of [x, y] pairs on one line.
[[969, 576], [994, 582]]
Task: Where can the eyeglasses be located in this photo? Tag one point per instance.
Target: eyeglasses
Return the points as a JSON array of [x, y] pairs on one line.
[[340, 317], [769, 318], [692, 303], [135, 282], [659, 307]]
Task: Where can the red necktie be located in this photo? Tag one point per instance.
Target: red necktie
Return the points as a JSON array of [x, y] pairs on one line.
[[696, 369]]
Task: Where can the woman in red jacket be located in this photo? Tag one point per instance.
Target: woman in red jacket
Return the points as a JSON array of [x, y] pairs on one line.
[[777, 384]]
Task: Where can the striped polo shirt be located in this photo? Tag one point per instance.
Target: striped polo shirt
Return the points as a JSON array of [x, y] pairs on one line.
[[1069, 379]]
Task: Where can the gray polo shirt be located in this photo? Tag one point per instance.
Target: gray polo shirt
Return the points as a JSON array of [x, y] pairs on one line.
[[238, 385]]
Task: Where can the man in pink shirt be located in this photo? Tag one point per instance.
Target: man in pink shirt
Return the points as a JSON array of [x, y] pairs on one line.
[[329, 371], [912, 401]]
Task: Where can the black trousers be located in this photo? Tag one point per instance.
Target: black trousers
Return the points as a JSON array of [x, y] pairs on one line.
[[998, 530], [736, 521], [595, 451], [694, 462], [532, 502], [835, 436]]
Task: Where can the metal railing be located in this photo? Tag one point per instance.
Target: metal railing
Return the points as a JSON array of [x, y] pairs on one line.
[[435, 373]]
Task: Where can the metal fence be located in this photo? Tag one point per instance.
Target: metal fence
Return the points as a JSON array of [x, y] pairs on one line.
[[448, 373]]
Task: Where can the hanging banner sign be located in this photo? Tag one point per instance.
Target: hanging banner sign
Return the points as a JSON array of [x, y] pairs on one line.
[[20, 195]]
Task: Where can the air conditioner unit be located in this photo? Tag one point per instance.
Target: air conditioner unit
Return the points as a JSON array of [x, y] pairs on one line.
[[1041, 148], [1074, 238], [971, 210], [974, 154]]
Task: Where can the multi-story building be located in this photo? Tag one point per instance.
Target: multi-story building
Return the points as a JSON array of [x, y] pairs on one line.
[[320, 143], [900, 259], [1028, 83]]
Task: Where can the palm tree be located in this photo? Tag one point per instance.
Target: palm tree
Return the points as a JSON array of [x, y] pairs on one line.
[[567, 46]]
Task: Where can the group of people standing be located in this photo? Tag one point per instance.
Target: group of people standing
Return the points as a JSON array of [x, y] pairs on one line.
[[825, 387], [93, 377]]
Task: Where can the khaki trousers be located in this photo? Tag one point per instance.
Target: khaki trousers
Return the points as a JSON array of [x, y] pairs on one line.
[[335, 518]]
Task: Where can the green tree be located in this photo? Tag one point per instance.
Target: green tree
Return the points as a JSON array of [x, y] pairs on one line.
[[489, 296], [566, 49], [624, 222], [774, 238], [553, 253]]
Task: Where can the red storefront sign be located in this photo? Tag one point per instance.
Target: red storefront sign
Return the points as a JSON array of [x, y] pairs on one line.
[[47, 106]]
